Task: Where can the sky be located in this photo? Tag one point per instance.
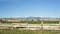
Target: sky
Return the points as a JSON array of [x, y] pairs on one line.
[[26, 8]]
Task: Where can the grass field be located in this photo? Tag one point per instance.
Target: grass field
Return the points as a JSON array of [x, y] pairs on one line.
[[36, 22], [25, 32]]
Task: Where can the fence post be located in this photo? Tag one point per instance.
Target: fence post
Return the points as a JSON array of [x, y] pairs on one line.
[[42, 26], [59, 25]]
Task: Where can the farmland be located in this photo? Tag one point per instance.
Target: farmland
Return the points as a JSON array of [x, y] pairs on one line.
[[17, 31], [35, 22]]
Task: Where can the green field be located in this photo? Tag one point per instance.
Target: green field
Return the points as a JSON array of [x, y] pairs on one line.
[[51, 22], [36, 22], [25, 32]]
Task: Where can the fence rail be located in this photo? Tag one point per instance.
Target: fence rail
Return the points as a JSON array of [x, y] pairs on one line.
[[30, 26]]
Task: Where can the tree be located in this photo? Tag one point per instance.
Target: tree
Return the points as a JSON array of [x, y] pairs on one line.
[[0, 20]]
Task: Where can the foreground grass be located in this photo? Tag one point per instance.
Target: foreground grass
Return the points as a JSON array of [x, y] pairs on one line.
[[24, 32]]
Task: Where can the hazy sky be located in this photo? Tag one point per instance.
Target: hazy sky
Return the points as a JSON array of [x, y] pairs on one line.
[[25, 8]]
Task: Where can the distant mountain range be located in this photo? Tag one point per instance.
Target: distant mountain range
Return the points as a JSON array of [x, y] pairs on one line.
[[34, 18]]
